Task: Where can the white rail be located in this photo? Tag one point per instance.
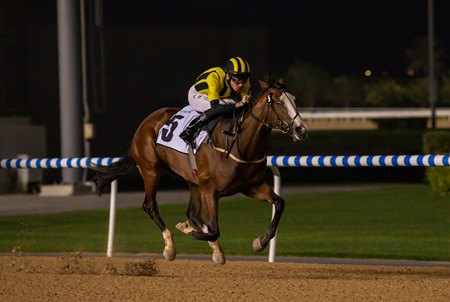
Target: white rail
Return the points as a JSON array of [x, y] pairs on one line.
[[371, 113]]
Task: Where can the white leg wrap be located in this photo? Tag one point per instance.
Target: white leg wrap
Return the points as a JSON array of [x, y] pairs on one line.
[[169, 252]]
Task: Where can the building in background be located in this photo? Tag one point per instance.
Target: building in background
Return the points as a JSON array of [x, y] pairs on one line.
[[131, 71]]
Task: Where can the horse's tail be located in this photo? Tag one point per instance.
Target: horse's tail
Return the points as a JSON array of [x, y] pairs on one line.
[[106, 175]]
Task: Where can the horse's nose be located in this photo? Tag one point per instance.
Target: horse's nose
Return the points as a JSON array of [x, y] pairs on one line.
[[301, 131]]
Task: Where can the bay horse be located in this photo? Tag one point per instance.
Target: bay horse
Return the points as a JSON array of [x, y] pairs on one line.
[[220, 173]]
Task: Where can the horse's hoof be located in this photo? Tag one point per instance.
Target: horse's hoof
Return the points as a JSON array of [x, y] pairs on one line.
[[169, 254], [218, 258], [180, 226], [257, 244], [184, 227]]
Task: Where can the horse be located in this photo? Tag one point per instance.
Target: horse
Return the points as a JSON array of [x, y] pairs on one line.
[[224, 166]]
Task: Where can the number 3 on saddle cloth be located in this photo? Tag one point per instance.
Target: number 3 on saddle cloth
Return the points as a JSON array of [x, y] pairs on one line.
[[169, 134]]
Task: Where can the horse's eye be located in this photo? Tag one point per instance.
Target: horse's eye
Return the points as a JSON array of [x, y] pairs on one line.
[[280, 103]]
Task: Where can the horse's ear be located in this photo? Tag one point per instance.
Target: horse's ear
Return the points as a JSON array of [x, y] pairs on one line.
[[264, 81], [281, 82], [264, 85]]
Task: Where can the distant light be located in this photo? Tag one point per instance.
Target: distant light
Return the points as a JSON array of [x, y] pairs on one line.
[[410, 72], [368, 72]]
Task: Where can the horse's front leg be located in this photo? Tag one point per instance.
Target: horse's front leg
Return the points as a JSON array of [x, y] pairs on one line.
[[264, 192], [193, 213]]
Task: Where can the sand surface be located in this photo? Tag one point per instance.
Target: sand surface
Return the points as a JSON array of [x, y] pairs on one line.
[[79, 278]]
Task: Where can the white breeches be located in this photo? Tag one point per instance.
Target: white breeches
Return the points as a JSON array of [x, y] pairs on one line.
[[200, 102]]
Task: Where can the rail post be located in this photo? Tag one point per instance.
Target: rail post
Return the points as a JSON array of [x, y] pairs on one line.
[[112, 218], [277, 190]]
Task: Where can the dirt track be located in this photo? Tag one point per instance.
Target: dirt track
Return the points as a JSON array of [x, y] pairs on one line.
[[77, 278]]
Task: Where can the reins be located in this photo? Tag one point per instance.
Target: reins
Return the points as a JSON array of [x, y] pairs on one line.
[[239, 119], [281, 125]]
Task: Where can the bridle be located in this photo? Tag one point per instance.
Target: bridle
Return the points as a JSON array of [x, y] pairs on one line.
[[281, 125]]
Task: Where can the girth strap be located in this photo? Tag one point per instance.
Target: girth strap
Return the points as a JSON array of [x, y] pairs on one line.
[[235, 158]]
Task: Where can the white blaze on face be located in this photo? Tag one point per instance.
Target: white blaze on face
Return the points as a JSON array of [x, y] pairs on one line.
[[298, 127], [289, 102]]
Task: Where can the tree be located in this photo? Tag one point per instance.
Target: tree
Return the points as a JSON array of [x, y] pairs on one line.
[[417, 92], [385, 92], [346, 91], [308, 83], [445, 89], [417, 56]]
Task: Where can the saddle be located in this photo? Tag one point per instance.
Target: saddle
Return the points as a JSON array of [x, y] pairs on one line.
[[234, 120]]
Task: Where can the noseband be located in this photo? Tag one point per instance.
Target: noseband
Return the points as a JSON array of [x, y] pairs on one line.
[[287, 126], [282, 125]]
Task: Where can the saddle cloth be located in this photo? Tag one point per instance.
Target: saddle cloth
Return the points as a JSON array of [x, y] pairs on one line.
[[169, 134]]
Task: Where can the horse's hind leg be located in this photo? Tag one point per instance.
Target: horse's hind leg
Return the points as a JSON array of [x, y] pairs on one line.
[[264, 192], [194, 214], [151, 178]]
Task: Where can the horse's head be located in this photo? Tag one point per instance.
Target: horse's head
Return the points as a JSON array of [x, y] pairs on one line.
[[279, 110]]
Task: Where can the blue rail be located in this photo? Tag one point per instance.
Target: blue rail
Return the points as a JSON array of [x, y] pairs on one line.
[[427, 160], [48, 163]]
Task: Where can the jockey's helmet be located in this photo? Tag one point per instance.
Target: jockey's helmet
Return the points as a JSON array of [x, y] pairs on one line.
[[238, 67]]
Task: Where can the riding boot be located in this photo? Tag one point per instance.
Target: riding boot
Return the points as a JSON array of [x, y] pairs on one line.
[[189, 134]]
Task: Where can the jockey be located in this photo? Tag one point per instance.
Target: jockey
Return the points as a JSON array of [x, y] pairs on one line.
[[217, 91]]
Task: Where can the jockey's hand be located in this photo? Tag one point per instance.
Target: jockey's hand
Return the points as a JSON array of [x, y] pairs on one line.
[[245, 100]]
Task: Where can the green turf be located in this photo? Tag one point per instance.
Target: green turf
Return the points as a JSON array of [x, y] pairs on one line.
[[401, 223]]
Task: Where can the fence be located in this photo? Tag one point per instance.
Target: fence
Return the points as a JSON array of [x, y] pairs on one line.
[[273, 162], [370, 113]]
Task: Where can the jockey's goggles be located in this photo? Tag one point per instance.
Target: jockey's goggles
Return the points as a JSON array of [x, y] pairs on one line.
[[243, 77]]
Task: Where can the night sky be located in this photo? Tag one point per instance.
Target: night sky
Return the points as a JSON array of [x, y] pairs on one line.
[[343, 37]]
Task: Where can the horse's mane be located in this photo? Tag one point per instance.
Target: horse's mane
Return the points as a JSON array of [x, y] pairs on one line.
[[273, 80]]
